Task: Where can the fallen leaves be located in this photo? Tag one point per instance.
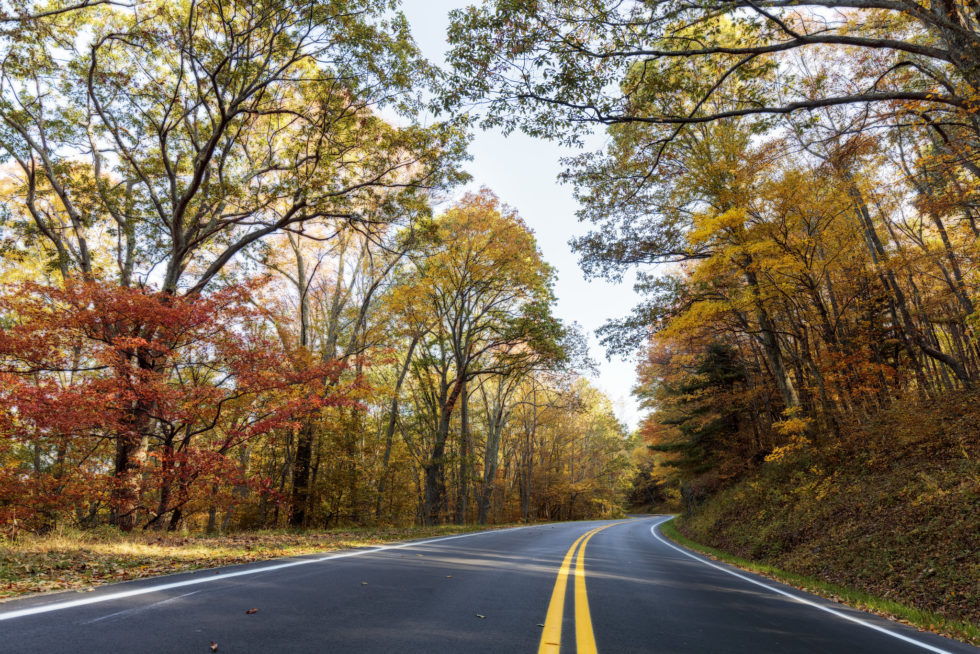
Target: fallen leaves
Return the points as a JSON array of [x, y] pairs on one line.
[[77, 560], [251, 611], [214, 646], [873, 523]]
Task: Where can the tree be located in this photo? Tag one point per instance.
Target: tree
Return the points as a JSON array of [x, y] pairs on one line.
[[549, 66], [698, 416], [489, 294], [155, 143], [71, 364]]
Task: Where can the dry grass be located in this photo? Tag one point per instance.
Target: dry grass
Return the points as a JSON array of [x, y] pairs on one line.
[[66, 560]]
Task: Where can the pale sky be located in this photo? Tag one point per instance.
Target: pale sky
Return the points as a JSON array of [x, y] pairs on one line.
[[523, 172]]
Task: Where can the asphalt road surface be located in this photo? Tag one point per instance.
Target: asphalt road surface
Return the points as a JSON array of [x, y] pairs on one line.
[[611, 586]]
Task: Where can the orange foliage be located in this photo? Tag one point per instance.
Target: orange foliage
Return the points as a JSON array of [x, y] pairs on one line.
[[90, 368]]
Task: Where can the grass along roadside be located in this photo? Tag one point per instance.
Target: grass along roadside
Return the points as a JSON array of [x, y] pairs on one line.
[[78, 560], [923, 620]]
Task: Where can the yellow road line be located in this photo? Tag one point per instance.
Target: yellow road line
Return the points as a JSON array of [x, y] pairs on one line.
[[551, 636], [584, 637]]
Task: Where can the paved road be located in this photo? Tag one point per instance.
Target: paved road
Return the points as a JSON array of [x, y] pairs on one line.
[[585, 587]]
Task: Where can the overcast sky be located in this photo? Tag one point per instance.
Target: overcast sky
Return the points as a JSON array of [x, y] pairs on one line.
[[523, 172]]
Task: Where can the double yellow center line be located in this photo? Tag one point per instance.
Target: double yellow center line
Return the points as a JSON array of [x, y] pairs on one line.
[[584, 637]]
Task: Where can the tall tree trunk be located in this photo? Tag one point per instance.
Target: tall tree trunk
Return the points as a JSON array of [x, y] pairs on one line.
[[957, 285], [390, 429], [770, 342], [464, 456], [167, 473], [131, 452], [491, 453], [434, 502]]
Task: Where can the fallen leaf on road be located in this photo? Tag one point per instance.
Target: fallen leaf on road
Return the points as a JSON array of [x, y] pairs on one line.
[[214, 646], [482, 617], [364, 583], [449, 576], [251, 611]]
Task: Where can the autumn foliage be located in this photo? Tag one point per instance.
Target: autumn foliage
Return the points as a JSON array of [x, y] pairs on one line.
[[421, 378], [128, 402]]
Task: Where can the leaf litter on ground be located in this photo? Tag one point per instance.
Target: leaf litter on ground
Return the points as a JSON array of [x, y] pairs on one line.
[[67, 559]]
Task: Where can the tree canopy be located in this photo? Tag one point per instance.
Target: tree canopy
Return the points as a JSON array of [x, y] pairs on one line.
[[236, 289], [794, 183]]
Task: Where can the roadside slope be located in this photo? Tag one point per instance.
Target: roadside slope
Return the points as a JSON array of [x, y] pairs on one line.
[[894, 513]]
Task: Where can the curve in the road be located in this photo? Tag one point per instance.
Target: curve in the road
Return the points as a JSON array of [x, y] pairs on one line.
[[470, 593]]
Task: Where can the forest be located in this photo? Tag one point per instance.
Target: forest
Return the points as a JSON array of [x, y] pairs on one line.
[[795, 185], [246, 284], [240, 288]]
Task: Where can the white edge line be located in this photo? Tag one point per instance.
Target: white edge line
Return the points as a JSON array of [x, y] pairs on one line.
[[58, 606], [802, 600], [137, 609]]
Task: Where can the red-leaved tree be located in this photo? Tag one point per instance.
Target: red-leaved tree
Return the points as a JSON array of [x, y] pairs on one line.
[[126, 402]]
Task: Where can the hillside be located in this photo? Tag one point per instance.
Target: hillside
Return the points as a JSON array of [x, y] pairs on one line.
[[894, 510]]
